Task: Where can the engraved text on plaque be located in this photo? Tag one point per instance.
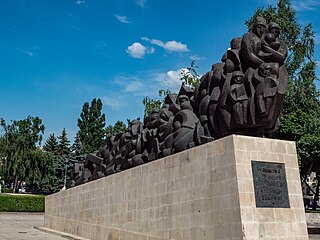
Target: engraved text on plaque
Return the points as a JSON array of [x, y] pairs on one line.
[[270, 185]]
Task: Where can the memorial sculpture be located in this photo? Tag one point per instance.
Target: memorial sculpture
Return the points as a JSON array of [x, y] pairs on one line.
[[241, 95]]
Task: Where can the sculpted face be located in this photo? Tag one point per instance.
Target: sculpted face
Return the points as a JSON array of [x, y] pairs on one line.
[[238, 79], [259, 30], [265, 69], [270, 37], [275, 31], [163, 117]]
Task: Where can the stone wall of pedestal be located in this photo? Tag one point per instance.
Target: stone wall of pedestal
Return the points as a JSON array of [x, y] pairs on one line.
[[206, 192]]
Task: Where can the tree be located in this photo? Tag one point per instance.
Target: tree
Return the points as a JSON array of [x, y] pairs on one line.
[[41, 176], [118, 127], [77, 155], [76, 147], [301, 112], [51, 145], [190, 76], [19, 143], [61, 163], [91, 126], [64, 157], [64, 144], [151, 104]]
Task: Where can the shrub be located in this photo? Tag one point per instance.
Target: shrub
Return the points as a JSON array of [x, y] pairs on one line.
[[21, 203], [7, 190]]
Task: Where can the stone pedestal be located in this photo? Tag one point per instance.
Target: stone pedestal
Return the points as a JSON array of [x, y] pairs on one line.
[[224, 189]]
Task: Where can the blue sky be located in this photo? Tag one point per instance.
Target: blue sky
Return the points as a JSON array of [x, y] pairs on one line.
[[56, 55]]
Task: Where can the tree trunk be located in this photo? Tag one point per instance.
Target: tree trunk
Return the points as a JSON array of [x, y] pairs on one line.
[[316, 196], [15, 183], [19, 185]]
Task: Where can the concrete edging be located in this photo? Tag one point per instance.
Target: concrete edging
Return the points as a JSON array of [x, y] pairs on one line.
[[60, 234]]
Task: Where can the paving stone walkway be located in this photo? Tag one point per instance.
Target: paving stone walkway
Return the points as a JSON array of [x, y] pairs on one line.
[[20, 226]]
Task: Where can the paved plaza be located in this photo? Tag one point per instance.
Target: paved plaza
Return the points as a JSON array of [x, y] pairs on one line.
[[20, 226]]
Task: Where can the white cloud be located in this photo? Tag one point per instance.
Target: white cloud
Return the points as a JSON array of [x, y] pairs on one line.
[[61, 81], [172, 79], [80, 2], [169, 80], [171, 46], [137, 50], [122, 19], [195, 57], [113, 101], [73, 21], [306, 5], [141, 3], [29, 53], [150, 50], [103, 49], [133, 86], [174, 46]]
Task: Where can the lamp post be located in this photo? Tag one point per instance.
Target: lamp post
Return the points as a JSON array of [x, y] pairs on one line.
[[65, 175]]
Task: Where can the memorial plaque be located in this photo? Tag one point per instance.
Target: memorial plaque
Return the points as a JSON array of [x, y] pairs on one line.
[[270, 185]]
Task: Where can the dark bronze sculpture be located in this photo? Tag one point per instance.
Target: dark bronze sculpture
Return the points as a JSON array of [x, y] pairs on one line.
[[241, 95]]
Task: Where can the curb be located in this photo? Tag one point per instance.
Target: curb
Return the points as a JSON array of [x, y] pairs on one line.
[[60, 234], [23, 213]]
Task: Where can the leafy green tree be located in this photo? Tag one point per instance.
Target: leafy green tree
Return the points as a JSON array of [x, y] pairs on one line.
[[91, 126], [19, 141], [118, 127], [151, 104], [41, 176], [301, 112], [190, 76]]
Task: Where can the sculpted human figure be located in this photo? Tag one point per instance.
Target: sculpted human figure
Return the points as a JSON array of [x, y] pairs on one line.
[[184, 102], [164, 123], [272, 37], [275, 48], [233, 62], [238, 98], [184, 124], [265, 80], [165, 128], [251, 48]]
